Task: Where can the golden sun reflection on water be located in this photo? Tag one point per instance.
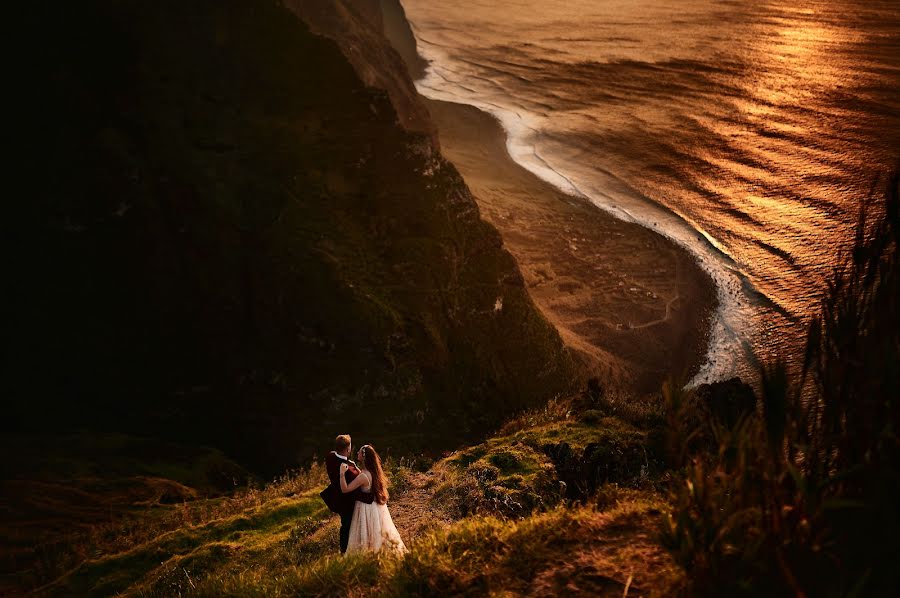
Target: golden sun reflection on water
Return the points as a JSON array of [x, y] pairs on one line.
[[761, 124]]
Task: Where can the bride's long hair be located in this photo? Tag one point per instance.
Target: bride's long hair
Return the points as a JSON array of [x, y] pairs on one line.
[[372, 463]]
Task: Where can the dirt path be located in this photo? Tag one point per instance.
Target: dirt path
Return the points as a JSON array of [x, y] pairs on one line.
[[412, 509], [660, 320]]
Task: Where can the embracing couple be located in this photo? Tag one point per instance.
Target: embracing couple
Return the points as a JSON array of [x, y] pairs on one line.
[[359, 495]]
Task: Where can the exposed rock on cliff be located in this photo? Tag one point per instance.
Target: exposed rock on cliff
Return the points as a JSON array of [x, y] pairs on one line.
[[399, 32], [358, 29]]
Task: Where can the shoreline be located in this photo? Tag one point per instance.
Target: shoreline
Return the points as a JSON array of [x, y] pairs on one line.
[[636, 306]]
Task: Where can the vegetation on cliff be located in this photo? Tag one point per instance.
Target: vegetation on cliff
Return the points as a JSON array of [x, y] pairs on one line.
[[522, 534]]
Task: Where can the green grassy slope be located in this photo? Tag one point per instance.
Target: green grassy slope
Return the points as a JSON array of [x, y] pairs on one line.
[[574, 552], [64, 496], [251, 534], [281, 542]]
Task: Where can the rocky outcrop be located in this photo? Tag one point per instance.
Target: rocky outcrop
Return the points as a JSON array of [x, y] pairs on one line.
[[619, 458], [583, 472], [357, 27], [726, 402], [399, 33]]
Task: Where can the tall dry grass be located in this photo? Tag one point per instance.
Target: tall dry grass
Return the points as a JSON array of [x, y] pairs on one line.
[[803, 497]]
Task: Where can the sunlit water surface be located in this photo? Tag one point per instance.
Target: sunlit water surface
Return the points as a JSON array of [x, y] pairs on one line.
[[745, 131]]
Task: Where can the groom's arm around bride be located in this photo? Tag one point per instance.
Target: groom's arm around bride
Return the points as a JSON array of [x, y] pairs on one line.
[[335, 500]]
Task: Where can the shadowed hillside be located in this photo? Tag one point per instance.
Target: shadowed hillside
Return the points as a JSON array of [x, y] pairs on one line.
[[229, 239]]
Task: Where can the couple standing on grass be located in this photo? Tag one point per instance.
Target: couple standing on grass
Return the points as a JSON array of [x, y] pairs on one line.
[[359, 495]]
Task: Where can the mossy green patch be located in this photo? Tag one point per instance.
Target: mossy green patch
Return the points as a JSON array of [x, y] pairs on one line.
[[252, 530], [579, 434], [511, 478]]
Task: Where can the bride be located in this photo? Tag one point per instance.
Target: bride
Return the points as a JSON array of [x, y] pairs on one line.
[[372, 527]]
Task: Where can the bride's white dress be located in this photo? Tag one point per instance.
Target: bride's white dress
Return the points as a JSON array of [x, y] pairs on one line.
[[372, 527]]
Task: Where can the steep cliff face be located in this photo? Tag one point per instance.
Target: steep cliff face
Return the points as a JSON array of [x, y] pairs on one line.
[[229, 239], [358, 28], [399, 33]]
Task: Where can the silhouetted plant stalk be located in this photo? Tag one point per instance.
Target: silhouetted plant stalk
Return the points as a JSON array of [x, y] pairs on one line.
[[803, 497]]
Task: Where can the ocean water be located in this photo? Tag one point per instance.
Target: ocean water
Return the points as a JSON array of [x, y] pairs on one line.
[[748, 132]]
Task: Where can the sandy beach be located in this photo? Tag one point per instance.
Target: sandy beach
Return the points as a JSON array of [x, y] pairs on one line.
[[632, 303]]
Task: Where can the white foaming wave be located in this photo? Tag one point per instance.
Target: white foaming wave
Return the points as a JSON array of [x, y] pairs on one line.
[[520, 125], [729, 351], [729, 346]]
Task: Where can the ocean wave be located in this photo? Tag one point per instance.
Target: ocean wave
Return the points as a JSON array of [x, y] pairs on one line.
[[728, 343]]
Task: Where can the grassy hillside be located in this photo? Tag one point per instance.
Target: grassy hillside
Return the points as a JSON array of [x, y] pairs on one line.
[[280, 541], [228, 239], [63, 497]]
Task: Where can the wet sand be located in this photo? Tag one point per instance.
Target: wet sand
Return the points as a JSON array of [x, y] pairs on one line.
[[632, 303]]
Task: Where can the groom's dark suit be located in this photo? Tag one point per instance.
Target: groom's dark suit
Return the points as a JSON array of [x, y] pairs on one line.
[[339, 502]]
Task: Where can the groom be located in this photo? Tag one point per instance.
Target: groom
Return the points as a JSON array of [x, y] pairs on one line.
[[335, 500]]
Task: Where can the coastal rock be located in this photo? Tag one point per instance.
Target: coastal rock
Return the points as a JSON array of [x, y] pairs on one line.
[[399, 33], [619, 458], [727, 401]]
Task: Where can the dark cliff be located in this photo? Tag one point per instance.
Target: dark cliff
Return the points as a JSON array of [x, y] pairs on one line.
[[362, 30], [226, 235], [400, 34]]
